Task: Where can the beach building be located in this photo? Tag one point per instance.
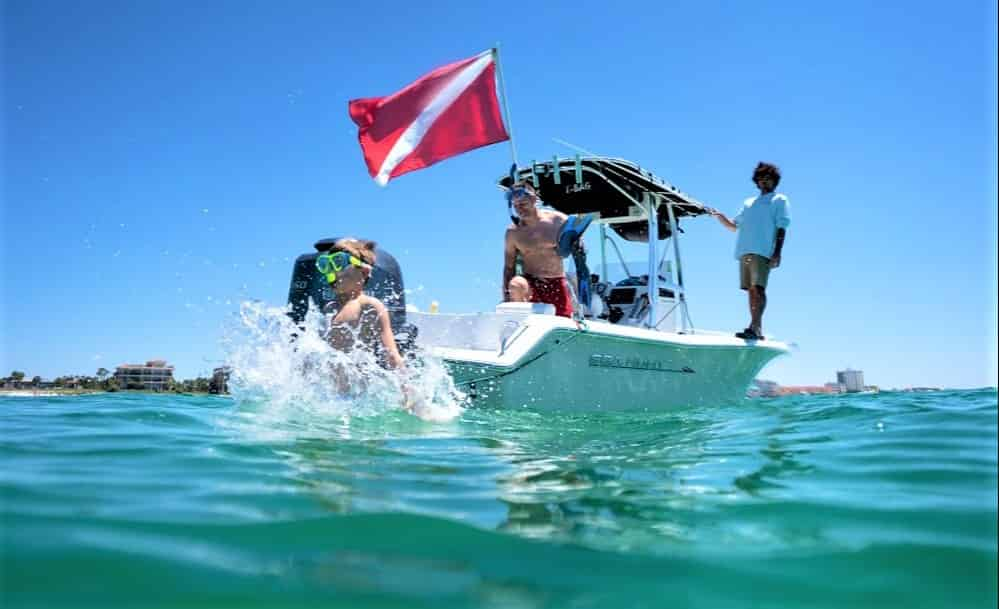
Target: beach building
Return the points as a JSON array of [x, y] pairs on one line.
[[25, 383], [809, 389], [851, 380], [220, 380], [154, 375]]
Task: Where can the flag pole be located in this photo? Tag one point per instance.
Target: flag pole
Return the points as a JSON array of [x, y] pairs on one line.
[[506, 107]]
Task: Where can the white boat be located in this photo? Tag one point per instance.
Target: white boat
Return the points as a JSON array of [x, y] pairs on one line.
[[633, 352]]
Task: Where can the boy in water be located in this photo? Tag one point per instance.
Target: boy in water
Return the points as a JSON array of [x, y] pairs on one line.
[[356, 320], [359, 321]]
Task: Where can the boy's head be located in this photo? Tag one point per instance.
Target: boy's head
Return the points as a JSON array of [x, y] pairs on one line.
[[348, 263], [519, 289], [361, 249]]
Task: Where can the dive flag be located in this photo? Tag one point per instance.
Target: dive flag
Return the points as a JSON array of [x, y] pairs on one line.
[[451, 110]]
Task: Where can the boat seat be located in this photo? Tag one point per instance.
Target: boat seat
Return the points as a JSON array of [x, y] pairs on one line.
[[482, 331]]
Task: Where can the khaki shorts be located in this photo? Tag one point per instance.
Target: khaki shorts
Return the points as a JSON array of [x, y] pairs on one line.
[[753, 270]]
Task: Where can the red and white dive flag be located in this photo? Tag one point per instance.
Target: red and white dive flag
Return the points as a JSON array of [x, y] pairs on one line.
[[446, 112]]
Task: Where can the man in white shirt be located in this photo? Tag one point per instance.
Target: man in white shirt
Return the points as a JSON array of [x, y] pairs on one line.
[[760, 228]]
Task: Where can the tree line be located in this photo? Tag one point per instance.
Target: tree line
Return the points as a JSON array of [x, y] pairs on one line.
[[103, 380]]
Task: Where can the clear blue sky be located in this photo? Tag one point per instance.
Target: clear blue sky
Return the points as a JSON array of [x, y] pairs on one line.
[[163, 161]]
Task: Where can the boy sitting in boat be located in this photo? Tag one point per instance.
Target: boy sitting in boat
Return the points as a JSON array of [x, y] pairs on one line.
[[518, 290]]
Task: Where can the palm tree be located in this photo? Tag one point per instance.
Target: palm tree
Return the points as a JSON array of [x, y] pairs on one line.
[[102, 374]]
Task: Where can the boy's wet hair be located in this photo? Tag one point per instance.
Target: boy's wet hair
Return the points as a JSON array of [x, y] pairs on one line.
[[359, 248], [766, 170]]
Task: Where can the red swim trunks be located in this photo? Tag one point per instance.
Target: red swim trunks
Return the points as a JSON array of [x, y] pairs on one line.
[[553, 291]]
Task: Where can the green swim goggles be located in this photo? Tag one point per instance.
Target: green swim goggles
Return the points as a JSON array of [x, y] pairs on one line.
[[331, 264]]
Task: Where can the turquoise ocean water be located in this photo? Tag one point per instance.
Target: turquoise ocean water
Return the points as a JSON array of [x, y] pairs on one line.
[[138, 500]]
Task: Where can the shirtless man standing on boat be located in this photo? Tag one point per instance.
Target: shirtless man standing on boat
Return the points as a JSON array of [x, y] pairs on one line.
[[535, 239]]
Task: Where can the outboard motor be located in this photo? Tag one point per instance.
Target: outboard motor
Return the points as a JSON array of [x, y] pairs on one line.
[[385, 284]]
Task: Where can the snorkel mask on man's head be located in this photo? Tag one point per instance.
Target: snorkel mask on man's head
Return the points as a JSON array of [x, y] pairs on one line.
[[523, 190], [519, 190]]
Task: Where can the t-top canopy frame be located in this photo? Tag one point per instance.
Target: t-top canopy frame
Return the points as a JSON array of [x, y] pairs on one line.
[[615, 189]]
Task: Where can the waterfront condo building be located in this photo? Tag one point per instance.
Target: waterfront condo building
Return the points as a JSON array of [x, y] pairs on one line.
[[851, 380], [154, 375]]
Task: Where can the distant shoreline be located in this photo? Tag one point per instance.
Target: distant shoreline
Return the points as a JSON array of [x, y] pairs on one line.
[[55, 392]]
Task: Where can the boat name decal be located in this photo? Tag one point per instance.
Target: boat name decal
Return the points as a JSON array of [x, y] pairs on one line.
[[574, 188], [600, 360]]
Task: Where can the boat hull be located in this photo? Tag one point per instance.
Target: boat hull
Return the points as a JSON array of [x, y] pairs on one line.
[[603, 367]]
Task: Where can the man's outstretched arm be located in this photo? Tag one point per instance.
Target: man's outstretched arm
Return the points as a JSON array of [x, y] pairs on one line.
[[723, 219]]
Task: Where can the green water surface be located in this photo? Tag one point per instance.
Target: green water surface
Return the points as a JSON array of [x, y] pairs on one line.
[[122, 500]]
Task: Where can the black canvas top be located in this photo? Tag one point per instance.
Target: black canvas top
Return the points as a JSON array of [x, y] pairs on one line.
[[599, 190]]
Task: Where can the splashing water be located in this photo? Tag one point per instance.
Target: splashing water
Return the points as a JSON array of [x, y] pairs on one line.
[[283, 372]]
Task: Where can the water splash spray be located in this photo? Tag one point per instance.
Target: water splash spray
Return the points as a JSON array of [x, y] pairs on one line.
[[287, 372]]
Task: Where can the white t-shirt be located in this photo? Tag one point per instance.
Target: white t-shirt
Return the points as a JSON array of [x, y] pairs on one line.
[[758, 221]]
